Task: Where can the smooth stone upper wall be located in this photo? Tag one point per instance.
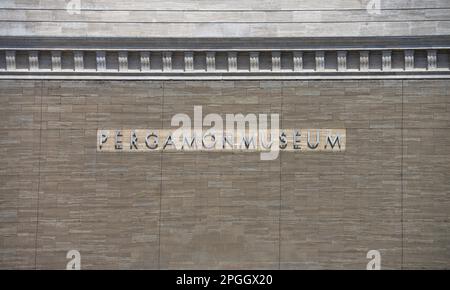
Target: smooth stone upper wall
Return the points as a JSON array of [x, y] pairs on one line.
[[233, 18]]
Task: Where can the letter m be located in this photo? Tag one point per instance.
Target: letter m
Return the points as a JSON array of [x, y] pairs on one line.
[[333, 141], [241, 122]]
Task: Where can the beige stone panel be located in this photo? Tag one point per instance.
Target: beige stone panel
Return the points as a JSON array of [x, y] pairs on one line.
[[18, 203], [368, 152], [92, 105], [19, 181], [315, 243], [218, 97], [330, 220], [96, 204], [426, 104], [343, 104], [212, 244], [20, 103], [215, 163], [426, 244], [244, 196], [223, 210], [101, 244], [426, 153], [340, 196], [426, 198]]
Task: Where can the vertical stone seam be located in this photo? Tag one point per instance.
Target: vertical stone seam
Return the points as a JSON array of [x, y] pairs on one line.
[[39, 178], [401, 176], [280, 197], [161, 181]]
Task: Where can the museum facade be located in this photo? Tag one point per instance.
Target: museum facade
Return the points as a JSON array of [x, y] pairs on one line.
[[361, 99]]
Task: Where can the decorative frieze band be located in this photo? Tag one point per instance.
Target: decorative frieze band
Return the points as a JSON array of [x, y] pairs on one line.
[[210, 61], [167, 61], [56, 60], [188, 61], [298, 60], [232, 61], [320, 61], [145, 61], [432, 59], [242, 62], [342, 60], [364, 60], [409, 59], [10, 60], [254, 61], [123, 60], [386, 60], [78, 59], [101, 60], [33, 60], [276, 61]]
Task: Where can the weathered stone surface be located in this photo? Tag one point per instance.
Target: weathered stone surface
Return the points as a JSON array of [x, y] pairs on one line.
[[251, 18], [388, 191]]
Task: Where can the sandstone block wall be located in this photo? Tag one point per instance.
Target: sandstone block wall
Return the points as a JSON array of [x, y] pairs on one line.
[[388, 191]]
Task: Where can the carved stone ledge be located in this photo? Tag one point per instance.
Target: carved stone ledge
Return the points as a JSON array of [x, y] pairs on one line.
[[409, 59], [320, 61], [78, 57], [364, 61], [210, 61], [386, 60], [431, 59], [188, 61], [232, 61], [298, 60], [276, 61], [101, 60], [56, 60], [167, 61], [201, 65], [33, 60], [123, 61], [145, 61], [254, 61], [342, 60], [10, 60]]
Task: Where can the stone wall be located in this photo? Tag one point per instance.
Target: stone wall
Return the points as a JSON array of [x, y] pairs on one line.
[[218, 18], [389, 191]]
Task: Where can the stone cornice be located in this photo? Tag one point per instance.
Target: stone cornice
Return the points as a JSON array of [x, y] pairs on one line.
[[225, 44], [293, 58]]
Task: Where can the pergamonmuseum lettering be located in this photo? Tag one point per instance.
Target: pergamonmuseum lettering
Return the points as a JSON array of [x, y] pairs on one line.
[[146, 140], [238, 132]]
